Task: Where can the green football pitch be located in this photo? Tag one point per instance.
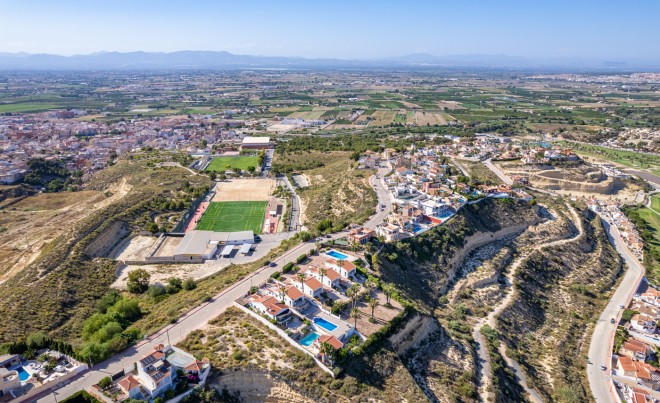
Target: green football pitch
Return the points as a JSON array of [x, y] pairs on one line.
[[234, 216]]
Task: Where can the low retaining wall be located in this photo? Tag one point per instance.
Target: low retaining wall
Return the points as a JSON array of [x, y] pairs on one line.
[[286, 337], [50, 385]]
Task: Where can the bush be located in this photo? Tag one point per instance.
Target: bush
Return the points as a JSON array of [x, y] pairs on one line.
[[138, 281], [276, 275], [105, 382], [156, 290], [189, 284], [287, 267], [301, 259], [174, 285]]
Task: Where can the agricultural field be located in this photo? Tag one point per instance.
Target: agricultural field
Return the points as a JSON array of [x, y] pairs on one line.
[[382, 118], [234, 216], [240, 162]]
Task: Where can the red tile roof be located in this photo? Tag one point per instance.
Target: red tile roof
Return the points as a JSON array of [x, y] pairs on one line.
[[294, 293], [127, 383], [195, 366], [332, 340], [313, 283]]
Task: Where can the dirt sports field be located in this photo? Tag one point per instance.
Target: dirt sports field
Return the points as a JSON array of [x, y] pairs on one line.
[[244, 190]]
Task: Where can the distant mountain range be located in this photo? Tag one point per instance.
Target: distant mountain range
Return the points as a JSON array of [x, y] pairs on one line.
[[189, 59]]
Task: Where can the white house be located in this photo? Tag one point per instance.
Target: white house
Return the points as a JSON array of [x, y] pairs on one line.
[[329, 279], [344, 268], [269, 306], [311, 287], [154, 372], [434, 208]]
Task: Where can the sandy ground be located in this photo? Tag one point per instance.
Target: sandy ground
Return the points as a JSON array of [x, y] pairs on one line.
[[244, 190], [161, 272], [133, 249], [26, 232], [424, 118], [451, 105]]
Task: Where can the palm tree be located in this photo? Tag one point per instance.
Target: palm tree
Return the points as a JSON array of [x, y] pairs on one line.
[[301, 277], [322, 272], [388, 290], [370, 285], [355, 314], [373, 303], [282, 288], [340, 263], [327, 350], [352, 293]]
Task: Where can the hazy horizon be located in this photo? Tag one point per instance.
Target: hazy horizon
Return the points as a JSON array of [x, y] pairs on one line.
[[591, 30]]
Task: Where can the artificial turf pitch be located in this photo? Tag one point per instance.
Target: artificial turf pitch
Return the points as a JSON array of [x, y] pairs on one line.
[[233, 216]]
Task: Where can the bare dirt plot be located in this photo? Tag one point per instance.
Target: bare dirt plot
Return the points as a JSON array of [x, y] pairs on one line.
[[29, 224], [382, 118], [430, 118], [54, 201], [309, 115], [134, 249], [410, 105], [244, 190], [451, 105]]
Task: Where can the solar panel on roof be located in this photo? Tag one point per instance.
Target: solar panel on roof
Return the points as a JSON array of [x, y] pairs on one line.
[[157, 375]]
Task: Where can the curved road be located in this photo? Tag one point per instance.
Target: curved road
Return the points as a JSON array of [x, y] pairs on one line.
[[600, 348], [480, 340], [198, 317]]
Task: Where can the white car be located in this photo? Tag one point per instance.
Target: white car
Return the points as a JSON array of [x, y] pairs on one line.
[[603, 367]]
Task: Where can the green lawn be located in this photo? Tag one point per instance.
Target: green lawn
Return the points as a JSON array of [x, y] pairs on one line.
[[627, 158], [234, 216], [240, 162]]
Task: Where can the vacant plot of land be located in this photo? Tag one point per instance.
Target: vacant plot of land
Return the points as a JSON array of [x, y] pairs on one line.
[[244, 190], [234, 216], [429, 118], [382, 118], [450, 105], [308, 115], [54, 201], [225, 163]]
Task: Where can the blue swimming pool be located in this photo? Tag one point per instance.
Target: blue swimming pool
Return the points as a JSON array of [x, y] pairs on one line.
[[336, 255], [329, 326], [22, 374], [309, 339]]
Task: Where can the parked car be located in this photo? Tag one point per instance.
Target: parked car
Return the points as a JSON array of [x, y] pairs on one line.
[[612, 320], [272, 264]]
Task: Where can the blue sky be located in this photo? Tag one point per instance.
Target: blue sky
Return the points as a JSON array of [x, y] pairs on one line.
[[344, 29]]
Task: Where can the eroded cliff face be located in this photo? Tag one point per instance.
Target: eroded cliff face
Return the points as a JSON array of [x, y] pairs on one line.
[[257, 386], [426, 266]]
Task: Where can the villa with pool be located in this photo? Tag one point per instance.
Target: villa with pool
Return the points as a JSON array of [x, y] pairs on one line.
[[19, 376]]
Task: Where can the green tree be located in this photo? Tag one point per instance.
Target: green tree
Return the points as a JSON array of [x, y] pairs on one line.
[[355, 314], [138, 281], [105, 382], [189, 284]]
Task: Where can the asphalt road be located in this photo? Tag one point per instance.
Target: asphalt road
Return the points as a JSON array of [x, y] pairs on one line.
[[378, 183], [199, 316], [603, 335], [294, 224], [489, 164], [174, 333]]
